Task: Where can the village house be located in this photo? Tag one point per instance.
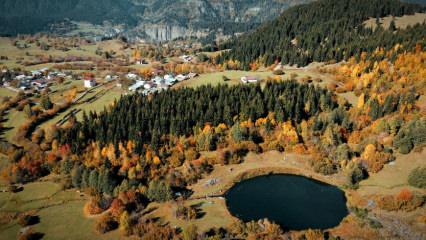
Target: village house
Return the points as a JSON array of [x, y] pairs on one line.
[[149, 85], [39, 84], [169, 79], [186, 58], [192, 75], [89, 82], [249, 79], [132, 76], [181, 77], [136, 86], [157, 72]]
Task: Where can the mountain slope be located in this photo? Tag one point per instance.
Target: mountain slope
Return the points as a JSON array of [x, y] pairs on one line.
[[30, 16], [322, 31]]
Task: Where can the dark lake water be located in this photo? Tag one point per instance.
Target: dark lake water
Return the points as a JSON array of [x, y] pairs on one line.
[[293, 202]]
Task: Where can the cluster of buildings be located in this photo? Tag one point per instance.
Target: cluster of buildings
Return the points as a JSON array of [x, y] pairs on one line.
[[158, 83], [35, 80], [186, 58]]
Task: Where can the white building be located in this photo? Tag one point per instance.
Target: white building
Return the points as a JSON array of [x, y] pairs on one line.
[[181, 77], [169, 79], [136, 86], [192, 75], [132, 76], [186, 58], [249, 79], [157, 79], [89, 83], [149, 85]]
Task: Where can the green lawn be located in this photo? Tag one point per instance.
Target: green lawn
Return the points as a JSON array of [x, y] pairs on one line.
[[60, 212], [216, 78], [4, 92], [14, 120], [3, 160], [97, 105]]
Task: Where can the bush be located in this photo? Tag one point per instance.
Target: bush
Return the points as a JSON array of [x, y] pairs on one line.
[[30, 235], [411, 135], [324, 167], [417, 177], [356, 175], [106, 223], [27, 220], [361, 213], [405, 200], [159, 191], [278, 72]]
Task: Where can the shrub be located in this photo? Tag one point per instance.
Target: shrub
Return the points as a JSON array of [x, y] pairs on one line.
[[278, 72], [417, 177], [27, 219], [159, 191], [355, 175], [106, 223], [324, 167], [405, 200], [30, 235], [190, 232], [411, 135]]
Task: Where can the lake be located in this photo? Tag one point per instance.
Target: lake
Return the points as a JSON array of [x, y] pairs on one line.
[[293, 202]]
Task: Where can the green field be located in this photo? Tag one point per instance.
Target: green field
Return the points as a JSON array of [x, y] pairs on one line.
[[28, 54], [4, 92], [216, 78], [3, 162], [60, 212], [106, 96], [14, 120]]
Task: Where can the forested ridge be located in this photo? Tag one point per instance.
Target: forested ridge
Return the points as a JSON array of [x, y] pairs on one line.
[[28, 16], [324, 30], [145, 120], [32, 16]]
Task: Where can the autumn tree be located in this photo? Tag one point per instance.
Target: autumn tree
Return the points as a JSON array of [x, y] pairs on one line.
[[45, 102], [125, 223], [159, 191]]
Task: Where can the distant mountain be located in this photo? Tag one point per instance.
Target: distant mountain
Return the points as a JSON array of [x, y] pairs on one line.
[[422, 2], [324, 30], [158, 19]]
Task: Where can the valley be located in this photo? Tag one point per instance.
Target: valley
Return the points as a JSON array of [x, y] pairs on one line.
[[212, 120]]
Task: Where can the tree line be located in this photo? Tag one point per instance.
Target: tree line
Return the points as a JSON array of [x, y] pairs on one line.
[[145, 119], [322, 31]]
